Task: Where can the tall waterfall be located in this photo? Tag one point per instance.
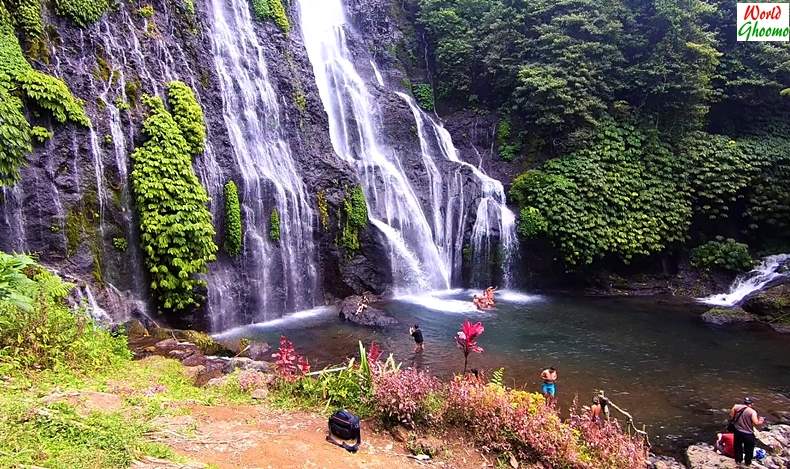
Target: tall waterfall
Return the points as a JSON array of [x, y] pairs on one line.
[[426, 239], [279, 276], [769, 270]]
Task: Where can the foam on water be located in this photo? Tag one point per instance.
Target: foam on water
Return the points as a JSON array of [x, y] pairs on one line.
[[437, 301], [514, 296], [298, 319]]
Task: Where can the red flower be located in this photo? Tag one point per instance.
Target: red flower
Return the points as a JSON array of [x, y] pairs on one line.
[[374, 352], [289, 364], [467, 339]]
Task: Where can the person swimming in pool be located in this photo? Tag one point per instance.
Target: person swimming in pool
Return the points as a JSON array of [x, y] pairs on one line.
[[549, 387]]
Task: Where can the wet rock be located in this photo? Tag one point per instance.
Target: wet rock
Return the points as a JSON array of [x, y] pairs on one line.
[[776, 439], [211, 369], [258, 351], [663, 462], [771, 304], [135, 329], [724, 316], [703, 456], [192, 372], [195, 359], [237, 363], [369, 316], [165, 346]]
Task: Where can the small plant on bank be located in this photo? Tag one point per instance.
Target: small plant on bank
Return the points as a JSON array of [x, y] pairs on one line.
[[724, 254], [120, 244], [466, 339], [404, 397], [289, 364]]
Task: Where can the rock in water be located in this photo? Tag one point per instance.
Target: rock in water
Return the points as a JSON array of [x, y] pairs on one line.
[[663, 462], [368, 316], [771, 305], [723, 316]]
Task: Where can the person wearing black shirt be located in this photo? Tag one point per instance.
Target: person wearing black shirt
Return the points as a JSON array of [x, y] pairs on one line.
[[418, 340]]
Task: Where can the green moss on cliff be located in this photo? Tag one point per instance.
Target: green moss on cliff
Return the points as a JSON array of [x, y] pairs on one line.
[[272, 10], [233, 230], [176, 230], [82, 12]]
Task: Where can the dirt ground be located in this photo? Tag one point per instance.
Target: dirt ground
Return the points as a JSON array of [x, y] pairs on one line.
[[257, 437]]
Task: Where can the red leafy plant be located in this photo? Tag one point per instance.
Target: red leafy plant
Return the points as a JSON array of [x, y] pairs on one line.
[[467, 339], [374, 352], [408, 397], [518, 423], [289, 364]]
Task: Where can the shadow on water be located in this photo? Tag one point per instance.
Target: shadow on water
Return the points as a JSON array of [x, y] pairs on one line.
[[655, 358]]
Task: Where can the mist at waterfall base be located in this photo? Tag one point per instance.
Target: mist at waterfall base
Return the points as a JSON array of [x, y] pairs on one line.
[[656, 359]]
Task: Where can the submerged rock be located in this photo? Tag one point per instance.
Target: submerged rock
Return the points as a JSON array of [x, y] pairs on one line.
[[722, 316], [663, 462], [367, 316]]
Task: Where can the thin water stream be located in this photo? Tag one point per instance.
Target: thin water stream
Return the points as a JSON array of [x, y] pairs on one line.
[[655, 358]]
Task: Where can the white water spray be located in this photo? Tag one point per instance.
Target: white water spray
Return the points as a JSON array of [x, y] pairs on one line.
[[769, 270]]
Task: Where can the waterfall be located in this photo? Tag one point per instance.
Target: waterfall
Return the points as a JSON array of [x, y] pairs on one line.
[[426, 240], [770, 269], [278, 276]]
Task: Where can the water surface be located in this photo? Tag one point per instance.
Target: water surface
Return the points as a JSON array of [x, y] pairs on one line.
[[654, 357]]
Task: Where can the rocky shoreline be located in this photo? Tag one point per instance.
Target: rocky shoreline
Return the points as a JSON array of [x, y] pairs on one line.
[[770, 306]]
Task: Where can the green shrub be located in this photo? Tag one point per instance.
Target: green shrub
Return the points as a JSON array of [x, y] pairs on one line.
[[120, 244], [423, 94], [355, 211], [508, 148], [272, 10], [531, 223], [26, 15], [723, 255], [38, 330], [82, 12], [274, 225], [233, 231], [188, 115], [204, 342], [176, 231], [19, 79], [146, 11]]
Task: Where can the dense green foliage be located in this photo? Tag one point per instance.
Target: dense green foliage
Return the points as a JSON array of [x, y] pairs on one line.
[[723, 255], [82, 12], [176, 230], [658, 125], [355, 219], [233, 232], [20, 84], [188, 115], [619, 196], [272, 10], [423, 93], [274, 225]]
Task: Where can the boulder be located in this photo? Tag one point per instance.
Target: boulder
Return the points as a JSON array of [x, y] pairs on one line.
[[400, 434], [663, 462], [724, 316], [772, 303], [192, 372], [211, 369], [237, 363], [195, 359], [776, 439], [428, 445], [370, 316], [259, 394], [703, 456], [165, 346], [135, 329]]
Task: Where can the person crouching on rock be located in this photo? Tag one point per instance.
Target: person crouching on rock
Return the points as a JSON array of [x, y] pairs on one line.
[[744, 419], [418, 340]]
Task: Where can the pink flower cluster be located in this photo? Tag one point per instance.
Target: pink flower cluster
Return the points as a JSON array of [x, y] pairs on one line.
[[289, 364], [402, 397]]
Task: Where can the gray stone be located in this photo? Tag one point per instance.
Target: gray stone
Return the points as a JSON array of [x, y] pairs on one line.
[[369, 316], [703, 456]]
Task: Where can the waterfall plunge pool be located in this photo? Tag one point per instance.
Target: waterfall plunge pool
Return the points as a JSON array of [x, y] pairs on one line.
[[653, 356]]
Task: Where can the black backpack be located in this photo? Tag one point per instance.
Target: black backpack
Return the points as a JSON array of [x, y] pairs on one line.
[[344, 425]]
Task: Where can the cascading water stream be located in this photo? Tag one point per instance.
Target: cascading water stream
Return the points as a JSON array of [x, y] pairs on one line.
[[426, 239], [279, 276], [771, 269], [354, 131]]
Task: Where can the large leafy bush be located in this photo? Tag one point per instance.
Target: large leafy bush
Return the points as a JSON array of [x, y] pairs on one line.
[[233, 232], [726, 254], [82, 12], [622, 195], [176, 230]]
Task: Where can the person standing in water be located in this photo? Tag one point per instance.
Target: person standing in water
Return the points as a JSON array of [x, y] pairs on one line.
[[416, 333], [549, 387], [744, 418]]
